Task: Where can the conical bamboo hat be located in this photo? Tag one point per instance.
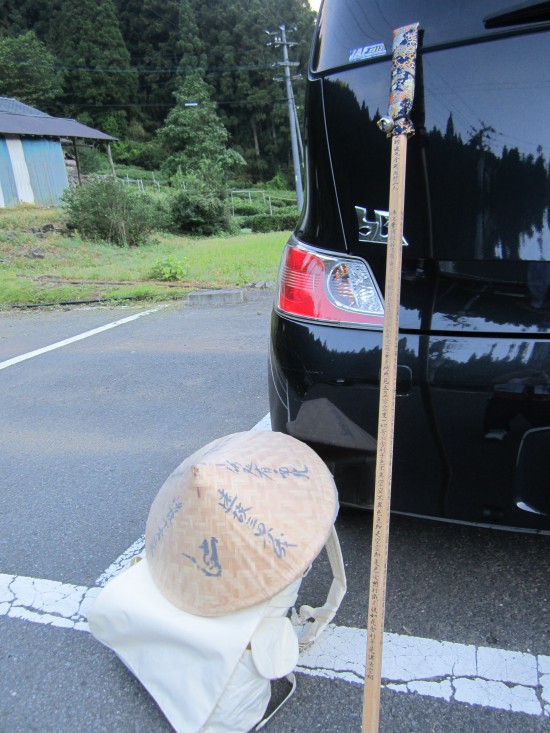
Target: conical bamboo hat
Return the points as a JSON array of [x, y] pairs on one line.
[[238, 521]]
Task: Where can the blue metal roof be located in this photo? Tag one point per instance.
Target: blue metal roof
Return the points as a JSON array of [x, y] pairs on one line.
[[13, 106], [17, 118]]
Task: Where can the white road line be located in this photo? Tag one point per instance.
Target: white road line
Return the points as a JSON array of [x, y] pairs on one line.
[[46, 601], [122, 562], [79, 337], [502, 679], [496, 678]]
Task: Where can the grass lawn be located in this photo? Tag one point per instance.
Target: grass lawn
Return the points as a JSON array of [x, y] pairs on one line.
[[41, 263]]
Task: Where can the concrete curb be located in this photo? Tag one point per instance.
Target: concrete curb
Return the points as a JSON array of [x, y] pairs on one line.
[[216, 297]]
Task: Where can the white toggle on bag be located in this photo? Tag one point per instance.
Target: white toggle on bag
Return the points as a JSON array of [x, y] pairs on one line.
[[202, 620]]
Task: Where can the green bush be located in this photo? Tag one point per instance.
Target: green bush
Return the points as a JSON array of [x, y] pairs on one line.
[[288, 210], [147, 154], [279, 222], [282, 203], [200, 211], [91, 159], [243, 222], [278, 182], [245, 208], [170, 270], [106, 209]]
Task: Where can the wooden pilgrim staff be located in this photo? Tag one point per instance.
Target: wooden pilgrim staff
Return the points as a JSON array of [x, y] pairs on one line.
[[398, 126]]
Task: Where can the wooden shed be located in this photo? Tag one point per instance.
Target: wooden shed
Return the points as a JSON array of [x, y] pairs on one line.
[[32, 166]]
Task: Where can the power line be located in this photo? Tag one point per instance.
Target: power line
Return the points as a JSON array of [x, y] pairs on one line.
[[269, 102], [150, 70]]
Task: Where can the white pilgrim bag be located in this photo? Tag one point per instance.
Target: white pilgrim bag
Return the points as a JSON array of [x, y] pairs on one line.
[[202, 620], [210, 674]]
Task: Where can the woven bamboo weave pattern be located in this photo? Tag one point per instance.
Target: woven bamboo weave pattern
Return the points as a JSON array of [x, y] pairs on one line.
[[238, 521]]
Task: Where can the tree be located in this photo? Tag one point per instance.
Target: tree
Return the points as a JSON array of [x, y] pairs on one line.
[[29, 70], [12, 19], [99, 80], [164, 43], [19, 16], [194, 137], [125, 59], [252, 105], [190, 47]]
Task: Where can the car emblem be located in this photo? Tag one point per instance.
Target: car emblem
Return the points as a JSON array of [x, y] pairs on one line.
[[367, 52], [374, 232]]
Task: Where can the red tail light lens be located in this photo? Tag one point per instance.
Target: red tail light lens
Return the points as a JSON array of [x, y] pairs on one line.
[[301, 282], [323, 287]]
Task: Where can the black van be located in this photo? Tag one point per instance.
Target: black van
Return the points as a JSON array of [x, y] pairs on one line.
[[472, 431]]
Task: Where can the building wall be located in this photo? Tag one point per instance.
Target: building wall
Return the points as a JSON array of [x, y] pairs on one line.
[[20, 170], [47, 170], [32, 170], [7, 179]]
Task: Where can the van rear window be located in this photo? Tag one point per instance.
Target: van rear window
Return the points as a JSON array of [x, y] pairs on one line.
[[478, 179], [356, 31]]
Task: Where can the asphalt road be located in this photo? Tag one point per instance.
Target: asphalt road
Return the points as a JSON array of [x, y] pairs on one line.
[[90, 431]]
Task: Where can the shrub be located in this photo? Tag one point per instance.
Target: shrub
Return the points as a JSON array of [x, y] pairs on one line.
[[243, 222], [282, 203], [278, 182], [200, 211], [245, 208], [147, 154], [91, 159], [278, 222], [106, 209], [170, 270], [288, 210]]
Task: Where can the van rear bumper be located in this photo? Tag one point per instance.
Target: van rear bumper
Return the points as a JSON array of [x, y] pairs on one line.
[[468, 431]]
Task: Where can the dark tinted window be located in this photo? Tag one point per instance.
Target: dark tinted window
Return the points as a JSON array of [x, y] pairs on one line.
[[348, 26], [477, 157]]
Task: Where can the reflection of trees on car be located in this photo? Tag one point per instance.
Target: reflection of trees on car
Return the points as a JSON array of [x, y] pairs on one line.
[[445, 168]]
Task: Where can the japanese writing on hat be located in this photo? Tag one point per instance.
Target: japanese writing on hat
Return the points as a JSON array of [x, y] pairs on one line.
[[238, 521]]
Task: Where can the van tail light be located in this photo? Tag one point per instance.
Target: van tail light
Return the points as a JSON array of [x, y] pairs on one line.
[[324, 287]]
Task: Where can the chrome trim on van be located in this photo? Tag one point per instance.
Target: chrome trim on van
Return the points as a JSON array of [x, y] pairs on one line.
[[374, 232]]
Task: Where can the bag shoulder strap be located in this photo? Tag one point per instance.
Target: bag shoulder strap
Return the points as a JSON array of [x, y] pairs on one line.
[[311, 622]]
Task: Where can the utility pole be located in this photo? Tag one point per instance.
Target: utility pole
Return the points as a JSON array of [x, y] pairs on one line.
[[280, 40]]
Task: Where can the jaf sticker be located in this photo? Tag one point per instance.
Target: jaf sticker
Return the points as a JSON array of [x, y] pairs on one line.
[[367, 52]]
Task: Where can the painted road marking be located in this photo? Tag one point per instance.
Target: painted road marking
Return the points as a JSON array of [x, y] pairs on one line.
[[503, 679], [46, 601], [79, 337], [121, 563], [498, 678]]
